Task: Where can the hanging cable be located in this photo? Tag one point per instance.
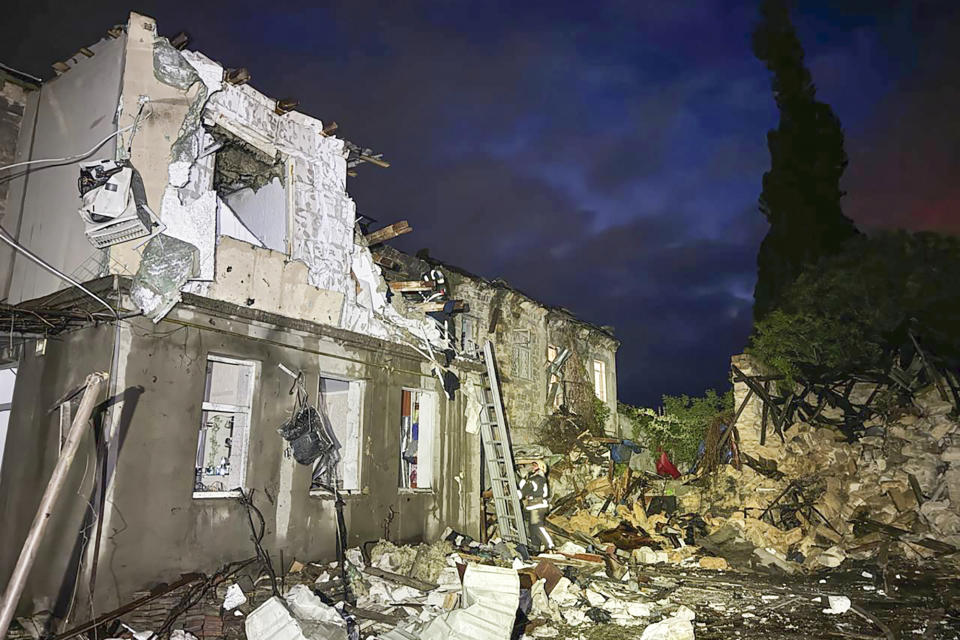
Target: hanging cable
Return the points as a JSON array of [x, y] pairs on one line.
[[79, 156], [10, 240]]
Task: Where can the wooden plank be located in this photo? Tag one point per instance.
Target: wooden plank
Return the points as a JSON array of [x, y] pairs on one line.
[[388, 232], [432, 307], [367, 614], [420, 585], [411, 285], [763, 416]]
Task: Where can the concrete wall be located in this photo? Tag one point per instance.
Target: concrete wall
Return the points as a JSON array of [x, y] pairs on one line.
[[13, 99], [74, 111], [154, 529], [31, 452]]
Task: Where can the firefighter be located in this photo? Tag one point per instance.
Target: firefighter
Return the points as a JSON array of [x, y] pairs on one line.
[[534, 494]]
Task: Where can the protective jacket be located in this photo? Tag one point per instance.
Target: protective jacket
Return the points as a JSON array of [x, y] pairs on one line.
[[534, 491]]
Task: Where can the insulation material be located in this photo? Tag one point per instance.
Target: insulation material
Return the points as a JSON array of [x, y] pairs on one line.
[[196, 223], [323, 215], [491, 596], [165, 266]]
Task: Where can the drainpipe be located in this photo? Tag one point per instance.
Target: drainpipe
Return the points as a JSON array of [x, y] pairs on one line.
[[57, 479]]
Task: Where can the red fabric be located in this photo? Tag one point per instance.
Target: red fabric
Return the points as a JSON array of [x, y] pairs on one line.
[[665, 467]]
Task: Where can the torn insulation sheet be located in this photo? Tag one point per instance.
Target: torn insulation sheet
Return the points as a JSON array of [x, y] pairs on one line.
[[165, 266]]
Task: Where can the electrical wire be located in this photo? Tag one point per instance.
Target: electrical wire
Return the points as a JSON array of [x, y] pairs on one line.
[[78, 156], [10, 240], [22, 73]]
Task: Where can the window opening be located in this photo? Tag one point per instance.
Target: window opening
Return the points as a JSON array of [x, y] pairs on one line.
[[339, 403], [600, 379], [417, 415], [225, 426]]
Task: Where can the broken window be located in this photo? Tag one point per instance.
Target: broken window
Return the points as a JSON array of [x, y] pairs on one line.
[[417, 419], [520, 363], [8, 379], [253, 198], [468, 336], [555, 380], [225, 426], [600, 379], [339, 403]]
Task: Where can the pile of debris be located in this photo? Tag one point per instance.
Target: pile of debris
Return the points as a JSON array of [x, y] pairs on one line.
[[805, 504]]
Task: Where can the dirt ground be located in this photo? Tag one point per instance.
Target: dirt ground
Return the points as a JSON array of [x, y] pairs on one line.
[[905, 602]]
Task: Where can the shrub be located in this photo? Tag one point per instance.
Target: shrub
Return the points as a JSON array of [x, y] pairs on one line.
[[679, 425], [849, 313]]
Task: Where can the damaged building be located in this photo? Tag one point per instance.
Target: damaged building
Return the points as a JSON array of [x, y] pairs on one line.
[[259, 341]]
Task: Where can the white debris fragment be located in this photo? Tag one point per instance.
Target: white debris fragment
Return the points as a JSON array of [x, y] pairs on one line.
[[639, 609], [545, 632], [669, 629], [234, 597], [571, 548], [595, 599], [685, 613], [867, 574], [306, 605], [838, 605], [180, 634]]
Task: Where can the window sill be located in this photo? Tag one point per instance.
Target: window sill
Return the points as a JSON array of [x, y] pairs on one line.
[[202, 495], [414, 491]]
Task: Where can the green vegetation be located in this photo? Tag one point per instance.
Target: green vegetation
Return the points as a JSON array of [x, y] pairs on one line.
[[852, 312], [680, 424], [801, 191]]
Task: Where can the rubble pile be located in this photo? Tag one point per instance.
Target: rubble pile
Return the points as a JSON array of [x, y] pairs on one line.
[[806, 504]]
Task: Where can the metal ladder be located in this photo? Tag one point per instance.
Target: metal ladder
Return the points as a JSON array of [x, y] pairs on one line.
[[496, 448]]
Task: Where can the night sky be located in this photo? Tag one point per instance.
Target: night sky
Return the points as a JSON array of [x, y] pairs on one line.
[[601, 156]]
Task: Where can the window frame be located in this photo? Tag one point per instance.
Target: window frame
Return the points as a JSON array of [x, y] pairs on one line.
[[553, 351], [7, 407], [603, 379], [218, 407], [359, 385], [432, 430]]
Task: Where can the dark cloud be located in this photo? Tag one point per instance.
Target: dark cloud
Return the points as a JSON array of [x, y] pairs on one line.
[[605, 157]]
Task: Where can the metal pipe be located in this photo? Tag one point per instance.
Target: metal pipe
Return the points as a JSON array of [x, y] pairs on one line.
[[57, 480]]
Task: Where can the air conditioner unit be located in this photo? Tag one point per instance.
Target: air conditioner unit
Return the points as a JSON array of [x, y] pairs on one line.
[[114, 203]]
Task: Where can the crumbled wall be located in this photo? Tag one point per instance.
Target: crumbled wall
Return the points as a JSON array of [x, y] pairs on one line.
[[522, 328], [13, 100], [174, 150]]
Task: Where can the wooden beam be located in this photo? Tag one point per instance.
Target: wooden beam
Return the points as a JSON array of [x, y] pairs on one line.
[[374, 160], [411, 285], [388, 232], [433, 307], [420, 585]]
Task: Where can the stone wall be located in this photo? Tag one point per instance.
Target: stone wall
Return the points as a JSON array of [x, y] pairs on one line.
[[521, 329]]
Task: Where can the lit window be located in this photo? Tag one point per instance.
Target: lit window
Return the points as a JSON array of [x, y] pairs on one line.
[[221, 464], [556, 384], [8, 378], [600, 379], [339, 404], [417, 415]]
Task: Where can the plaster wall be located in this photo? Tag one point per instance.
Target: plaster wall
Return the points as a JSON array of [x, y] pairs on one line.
[[66, 116], [155, 529], [31, 451]]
